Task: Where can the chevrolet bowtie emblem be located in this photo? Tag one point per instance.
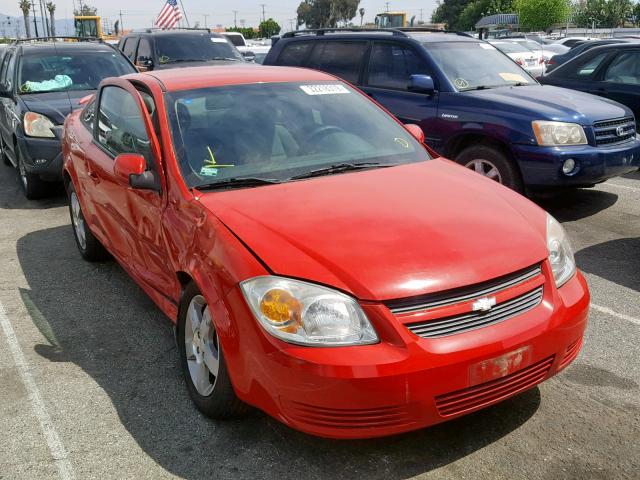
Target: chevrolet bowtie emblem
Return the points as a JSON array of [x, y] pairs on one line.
[[483, 304]]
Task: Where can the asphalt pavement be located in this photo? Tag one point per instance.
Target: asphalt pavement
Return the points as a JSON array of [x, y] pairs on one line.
[[90, 385]]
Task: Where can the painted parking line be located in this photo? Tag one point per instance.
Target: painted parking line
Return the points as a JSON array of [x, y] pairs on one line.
[[625, 187], [622, 316], [58, 452]]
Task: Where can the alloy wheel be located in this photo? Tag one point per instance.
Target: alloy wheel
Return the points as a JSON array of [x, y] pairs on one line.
[[78, 221], [485, 168], [201, 346]]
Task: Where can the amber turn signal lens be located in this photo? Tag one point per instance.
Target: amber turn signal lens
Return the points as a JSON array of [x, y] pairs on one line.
[[282, 309]]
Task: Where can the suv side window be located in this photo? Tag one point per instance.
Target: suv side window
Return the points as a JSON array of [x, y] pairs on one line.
[[294, 54], [129, 47], [625, 68], [341, 58], [144, 50], [120, 125], [3, 70], [392, 64]]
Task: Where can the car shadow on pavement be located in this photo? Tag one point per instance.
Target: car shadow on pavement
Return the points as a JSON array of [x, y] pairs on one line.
[[13, 196], [94, 316], [616, 260], [634, 175], [576, 203]]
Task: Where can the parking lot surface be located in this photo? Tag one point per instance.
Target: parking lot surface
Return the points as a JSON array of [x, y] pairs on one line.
[[90, 385]]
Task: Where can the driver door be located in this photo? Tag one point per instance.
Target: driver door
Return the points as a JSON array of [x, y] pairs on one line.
[[131, 217]]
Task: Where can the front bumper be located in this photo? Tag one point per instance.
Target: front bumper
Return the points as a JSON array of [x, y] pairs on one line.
[[405, 382], [42, 157], [542, 166]]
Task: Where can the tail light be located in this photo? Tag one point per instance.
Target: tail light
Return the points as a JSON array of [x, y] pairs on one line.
[[519, 61], [541, 60], [551, 61]]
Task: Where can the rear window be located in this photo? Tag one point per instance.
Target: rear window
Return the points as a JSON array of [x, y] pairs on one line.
[[508, 47], [129, 47], [343, 59], [294, 54], [194, 48]]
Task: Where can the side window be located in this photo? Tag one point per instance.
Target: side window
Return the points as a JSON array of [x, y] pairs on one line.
[[625, 69], [343, 59], [144, 50], [586, 67], [120, 125], [3, 69], [129, 47], [11, 72], [392, 64], [294, 54]]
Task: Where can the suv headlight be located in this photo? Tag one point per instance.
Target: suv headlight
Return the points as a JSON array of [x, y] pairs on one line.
[[307, 314], [553, 134], [561, 258], [37, 125]]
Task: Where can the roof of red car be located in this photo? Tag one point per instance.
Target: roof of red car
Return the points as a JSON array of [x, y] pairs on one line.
[[217, 76]]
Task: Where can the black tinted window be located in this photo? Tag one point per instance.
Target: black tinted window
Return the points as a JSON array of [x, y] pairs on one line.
[[144, 50], [194, 48], [625, 68], [120, 125], [295, 54], [129, 47], [392, 64], [3, 70], [343, 59]]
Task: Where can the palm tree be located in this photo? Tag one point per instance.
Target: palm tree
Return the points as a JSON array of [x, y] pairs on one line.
[[52, 8], [25, 6], [361, 15]]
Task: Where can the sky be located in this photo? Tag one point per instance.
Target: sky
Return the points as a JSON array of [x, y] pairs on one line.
[[140, 13]]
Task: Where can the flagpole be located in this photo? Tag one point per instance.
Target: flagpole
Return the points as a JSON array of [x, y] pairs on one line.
[[185, 14]]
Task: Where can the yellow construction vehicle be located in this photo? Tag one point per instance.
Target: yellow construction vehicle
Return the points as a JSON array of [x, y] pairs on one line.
[[392, 20], [88, 26]]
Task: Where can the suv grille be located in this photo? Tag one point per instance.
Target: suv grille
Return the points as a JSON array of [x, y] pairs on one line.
[[470, 321], [613, 132]]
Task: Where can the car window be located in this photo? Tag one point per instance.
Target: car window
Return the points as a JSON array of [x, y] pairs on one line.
[[343, 59], [294, 54], [82, 70], [144, 50], [120, 124], [129, 48], [391, 65], [3, 71], [508, 47], [625, 68], [589, 66], [280, 130], [196, 47]]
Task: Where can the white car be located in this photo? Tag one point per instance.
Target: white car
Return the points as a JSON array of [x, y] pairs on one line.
[[571, 41], [532, 62], [238, 41], [544, 50]]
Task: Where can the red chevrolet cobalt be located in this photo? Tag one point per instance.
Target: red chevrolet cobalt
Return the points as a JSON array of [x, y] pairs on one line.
[[317, 259]]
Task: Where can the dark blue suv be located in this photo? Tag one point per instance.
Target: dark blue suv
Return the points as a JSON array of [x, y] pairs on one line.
[[476, 105]]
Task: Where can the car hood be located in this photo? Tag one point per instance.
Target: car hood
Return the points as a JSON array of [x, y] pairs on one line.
[[387, 233], [545, 102], [55, 105]]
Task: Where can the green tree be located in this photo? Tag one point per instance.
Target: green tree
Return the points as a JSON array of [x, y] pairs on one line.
[[326, 13], [269, 28], [448, 12], [25, 6], [618, 11], [86, 11], [636, 14], [541, 14], [246, 32], [51, 7], [477, 9]]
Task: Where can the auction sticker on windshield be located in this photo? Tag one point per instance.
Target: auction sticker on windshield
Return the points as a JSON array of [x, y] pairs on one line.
[[512, 77], [323, 89]]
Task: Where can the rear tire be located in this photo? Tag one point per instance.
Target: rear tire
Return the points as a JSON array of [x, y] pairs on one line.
[[89, 246], [3, 154], [202, 360], [32, 185], [492, 163]]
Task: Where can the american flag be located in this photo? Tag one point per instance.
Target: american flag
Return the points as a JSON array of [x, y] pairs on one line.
[[169, 15]]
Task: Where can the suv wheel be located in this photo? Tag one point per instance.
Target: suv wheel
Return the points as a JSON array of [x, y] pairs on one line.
[[491, 163], [32, 185], [3, 153]]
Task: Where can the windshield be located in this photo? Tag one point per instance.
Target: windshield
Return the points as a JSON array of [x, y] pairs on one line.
[[281, 130], [70, 71], [237, 40], [474, 65], [194, 48], [508, 47]]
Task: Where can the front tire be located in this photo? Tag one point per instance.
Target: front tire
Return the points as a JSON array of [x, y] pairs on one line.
[[202, 360], [491, 163], [3, 153], [89, 246], [32, 185]]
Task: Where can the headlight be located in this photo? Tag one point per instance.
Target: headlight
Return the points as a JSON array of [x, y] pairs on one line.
[[37, 125], [551, 134], [561, 258], [307, 314]]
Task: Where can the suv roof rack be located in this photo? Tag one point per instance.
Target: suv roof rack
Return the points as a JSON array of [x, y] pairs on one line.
[[52, 39], [393, 31]]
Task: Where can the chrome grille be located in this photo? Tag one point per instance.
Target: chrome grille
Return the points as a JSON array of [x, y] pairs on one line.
[[471, 321], [612, 132], [461, 295]]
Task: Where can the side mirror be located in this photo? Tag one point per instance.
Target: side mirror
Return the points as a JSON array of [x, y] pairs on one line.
[[415, 131], [249, 56], [421, 84], [131, 168]]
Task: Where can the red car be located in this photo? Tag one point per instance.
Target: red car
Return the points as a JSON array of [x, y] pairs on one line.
[[319, 263]]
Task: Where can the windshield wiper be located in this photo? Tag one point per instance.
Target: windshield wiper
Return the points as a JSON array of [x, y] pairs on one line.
[[225, 58], [178, 60], [339, 168], [237, 182]]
